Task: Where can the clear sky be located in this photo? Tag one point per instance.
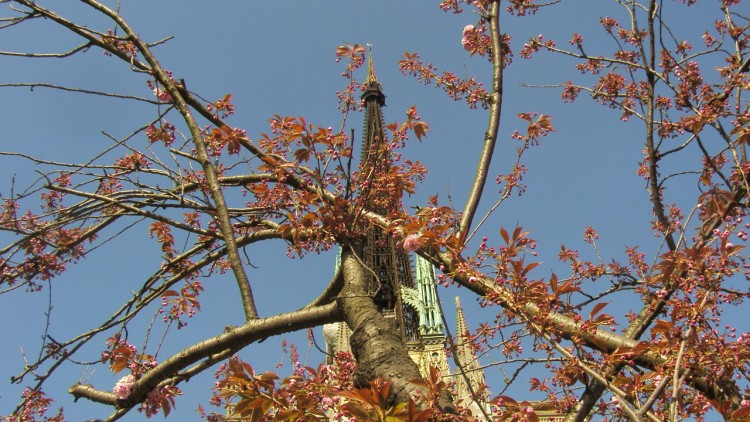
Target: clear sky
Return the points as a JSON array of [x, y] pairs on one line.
[[278, 58]]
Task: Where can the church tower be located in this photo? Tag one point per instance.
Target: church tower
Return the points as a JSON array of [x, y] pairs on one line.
[[388, 267], [404, 294]]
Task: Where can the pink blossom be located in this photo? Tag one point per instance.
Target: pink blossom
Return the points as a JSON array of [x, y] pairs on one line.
[[327, 403], [162, 95], [411, 243], [468, 41], [153, 403], [590, 235], [123, 387], [154, 397], [160, 398]]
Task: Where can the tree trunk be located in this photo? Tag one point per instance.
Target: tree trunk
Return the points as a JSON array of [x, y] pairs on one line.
[[376, 346]]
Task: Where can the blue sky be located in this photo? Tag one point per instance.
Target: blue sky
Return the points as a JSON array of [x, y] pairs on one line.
[[278, 58]]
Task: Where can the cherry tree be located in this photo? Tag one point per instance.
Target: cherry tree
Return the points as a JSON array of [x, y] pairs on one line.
[[648, 334]]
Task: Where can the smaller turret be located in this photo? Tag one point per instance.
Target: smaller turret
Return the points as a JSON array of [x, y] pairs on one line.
[[470, 365]]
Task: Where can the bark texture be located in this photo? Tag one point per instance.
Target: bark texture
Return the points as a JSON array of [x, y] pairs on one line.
[[375, 343]]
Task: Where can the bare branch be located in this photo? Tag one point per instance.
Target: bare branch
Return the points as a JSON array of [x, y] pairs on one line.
[[493, 126], [81, 47], [33, 85]]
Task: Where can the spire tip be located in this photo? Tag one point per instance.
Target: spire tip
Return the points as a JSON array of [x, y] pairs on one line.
[[371, 78]]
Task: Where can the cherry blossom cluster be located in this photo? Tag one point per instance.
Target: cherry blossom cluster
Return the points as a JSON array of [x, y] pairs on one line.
[[469, 89], [35, 407], [133, 162], [476, 41], [354, 55], [185, 302], [118, 43], [222, 107], [225, 137], [46, 253], [160, 398], [523, 7], [307, 391], [160, 93], [164, 133]]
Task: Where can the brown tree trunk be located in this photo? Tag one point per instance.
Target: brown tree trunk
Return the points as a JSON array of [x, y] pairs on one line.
[[376, 346]]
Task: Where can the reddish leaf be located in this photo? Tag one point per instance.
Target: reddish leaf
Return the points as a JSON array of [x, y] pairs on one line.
[[504, 234], [598, 307], [525, 116], [661, 327], [420, 129], [567, 287], [742, 412]]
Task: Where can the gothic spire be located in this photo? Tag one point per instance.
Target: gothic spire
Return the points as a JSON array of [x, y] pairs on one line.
[[372, 88], [373, 100], [461, 326], [409, 303], [468, 360], [370, 70], [389, 268]]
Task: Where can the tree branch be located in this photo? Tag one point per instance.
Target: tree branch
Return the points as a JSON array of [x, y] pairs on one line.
[[490, 136], [235, 339]]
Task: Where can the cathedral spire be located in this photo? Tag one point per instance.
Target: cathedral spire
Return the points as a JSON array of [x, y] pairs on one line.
[[373, 152], [389, 268], [404, 294], [370, 68], [372, 88]]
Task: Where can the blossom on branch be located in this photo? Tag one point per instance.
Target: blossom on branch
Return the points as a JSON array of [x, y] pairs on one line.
[[468, 41], [123, 387], [411, 243], [162, 95]]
